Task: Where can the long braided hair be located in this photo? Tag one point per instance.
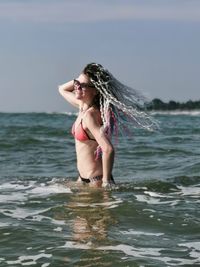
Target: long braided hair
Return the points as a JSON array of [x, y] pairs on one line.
[[119, 105]]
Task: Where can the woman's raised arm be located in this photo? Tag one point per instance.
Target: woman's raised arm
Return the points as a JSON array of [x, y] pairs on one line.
[[66, 90]]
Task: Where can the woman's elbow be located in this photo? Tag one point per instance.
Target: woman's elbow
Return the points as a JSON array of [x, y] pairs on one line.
[[60, 89], [109, 150]]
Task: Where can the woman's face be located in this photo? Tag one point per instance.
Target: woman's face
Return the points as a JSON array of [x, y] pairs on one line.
[[83, 88]]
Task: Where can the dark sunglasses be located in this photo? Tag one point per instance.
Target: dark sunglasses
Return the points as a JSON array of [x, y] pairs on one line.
[[83, 86]]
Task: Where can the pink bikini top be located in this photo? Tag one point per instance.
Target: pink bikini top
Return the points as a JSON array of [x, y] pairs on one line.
[[79, 133]]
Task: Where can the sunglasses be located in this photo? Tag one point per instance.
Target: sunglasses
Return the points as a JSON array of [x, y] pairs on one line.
[[82, 86]]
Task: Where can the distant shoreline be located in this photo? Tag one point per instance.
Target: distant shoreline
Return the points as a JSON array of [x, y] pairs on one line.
[[158, 105], [195, 112]]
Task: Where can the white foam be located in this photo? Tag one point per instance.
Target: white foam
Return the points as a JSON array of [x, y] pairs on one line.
[[57, 222], [44, 190], [45, 264], [194, 249], [15, 192], [132, 232], [6, 234], [3, 225], [153, 194], [132, 251], [58, 229], [15, 186], [155, 198], [151, 200], [59, 113], [128, 250], [71, 244], [192, 191], [14, 197], [150, 253], [150, 210], [22, 213], [20, 192], [195, 245], [29, 260], [140, 188], [68, 113]]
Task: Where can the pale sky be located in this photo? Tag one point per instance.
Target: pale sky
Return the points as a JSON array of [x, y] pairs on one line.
[[151, 45]]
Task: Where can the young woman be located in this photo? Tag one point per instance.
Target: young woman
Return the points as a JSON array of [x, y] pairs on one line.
[[105, 107]]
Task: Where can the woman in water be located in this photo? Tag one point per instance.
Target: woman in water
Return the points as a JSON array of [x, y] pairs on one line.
[[106, 107]]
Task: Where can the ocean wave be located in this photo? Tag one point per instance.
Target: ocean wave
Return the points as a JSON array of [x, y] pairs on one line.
[[69, 113], [29, 259], [154, 254]]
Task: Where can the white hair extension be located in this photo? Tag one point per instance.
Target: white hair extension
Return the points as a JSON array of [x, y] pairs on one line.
[[126, 103]]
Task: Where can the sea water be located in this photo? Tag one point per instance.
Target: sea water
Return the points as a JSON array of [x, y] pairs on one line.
[[151, 218]]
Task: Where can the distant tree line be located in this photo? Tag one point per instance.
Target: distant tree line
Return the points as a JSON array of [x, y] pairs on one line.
[[157, 104]]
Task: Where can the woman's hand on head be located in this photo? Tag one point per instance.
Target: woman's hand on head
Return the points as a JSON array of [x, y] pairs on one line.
[[67, 91]]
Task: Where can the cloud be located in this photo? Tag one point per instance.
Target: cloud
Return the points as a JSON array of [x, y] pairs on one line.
[[94, 11]]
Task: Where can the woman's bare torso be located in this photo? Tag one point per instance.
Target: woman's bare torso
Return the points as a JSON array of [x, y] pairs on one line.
[[87, 164]]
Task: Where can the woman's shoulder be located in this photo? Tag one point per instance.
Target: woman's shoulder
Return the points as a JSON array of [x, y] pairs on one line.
[[93, 113]]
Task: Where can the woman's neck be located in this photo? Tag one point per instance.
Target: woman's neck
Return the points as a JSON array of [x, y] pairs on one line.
[[85, 106]]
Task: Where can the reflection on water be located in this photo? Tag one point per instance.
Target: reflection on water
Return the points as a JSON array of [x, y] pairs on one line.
[[91, 215]]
